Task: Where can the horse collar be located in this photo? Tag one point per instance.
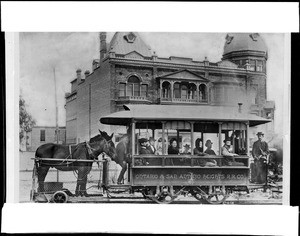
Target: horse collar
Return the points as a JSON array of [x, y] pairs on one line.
[[90, 150]]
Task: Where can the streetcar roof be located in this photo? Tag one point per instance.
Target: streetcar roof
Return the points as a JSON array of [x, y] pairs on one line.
[[177, 112]]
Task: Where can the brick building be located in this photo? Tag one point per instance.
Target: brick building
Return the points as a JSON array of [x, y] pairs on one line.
[[129, 72], [44, 134]]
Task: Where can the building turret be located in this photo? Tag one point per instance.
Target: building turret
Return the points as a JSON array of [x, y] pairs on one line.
[[243, 48]]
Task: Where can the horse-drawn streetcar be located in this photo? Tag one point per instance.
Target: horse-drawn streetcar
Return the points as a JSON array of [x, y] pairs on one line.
[[162, 175]]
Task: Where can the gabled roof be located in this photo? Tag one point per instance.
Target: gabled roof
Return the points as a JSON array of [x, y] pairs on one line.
[[120, 45], [133, 54], [184, 75], [179, 112]]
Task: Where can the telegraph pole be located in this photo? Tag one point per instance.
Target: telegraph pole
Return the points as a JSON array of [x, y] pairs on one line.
[[56, 118], [56, 108]]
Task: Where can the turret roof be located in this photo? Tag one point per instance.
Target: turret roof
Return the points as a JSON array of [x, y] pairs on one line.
[[244, 42]]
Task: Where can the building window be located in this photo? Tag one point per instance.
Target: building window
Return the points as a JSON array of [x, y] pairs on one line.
[[259, 66], [252, 65], [133, 88], [192, 91], [184, 92], [144, 90], [42, 135], [166, 90], [122, 90], [177, 90], [202, 92]]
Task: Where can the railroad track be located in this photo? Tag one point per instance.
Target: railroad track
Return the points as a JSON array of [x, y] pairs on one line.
[[187, 200]]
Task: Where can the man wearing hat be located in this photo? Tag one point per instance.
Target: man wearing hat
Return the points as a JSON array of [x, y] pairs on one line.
[[144, 143], [123, 156], [144, 146], [228, 154], [151, 145], [208, 150], [260, 151], [186, 149]]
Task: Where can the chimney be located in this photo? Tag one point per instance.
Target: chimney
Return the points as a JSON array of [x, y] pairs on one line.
[[95, 64], [240, 107], [78, 73], [86, 74], [206, 62], [154, 56], [103, 49], [112, 52]]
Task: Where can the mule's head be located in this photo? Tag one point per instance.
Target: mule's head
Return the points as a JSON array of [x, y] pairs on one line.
[[101, 144], [106, 136]]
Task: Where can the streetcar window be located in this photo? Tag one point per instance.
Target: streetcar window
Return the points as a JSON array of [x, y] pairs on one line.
[[238, 135]]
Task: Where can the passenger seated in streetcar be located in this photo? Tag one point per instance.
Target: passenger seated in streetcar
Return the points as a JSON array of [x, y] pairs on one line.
[[173, 149], [186, 149], [208, 145], [159, 146], [143, 150], [151, 146], [228, 154], [144, 146], [198, 150]]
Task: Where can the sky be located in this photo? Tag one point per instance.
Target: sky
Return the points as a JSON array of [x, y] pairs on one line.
[[43, 53]]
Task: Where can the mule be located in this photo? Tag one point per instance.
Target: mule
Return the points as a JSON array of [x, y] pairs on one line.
[[83, 151]]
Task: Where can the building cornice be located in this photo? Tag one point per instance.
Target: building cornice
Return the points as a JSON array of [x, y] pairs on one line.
[[150, 63]]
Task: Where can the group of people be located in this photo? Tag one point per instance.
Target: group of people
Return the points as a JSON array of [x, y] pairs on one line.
[[260, 150]]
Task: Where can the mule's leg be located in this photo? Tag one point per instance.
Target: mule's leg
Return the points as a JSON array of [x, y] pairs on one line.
[[78, 185], [42, 172], [81, 181], [83, 190], [87, 170]]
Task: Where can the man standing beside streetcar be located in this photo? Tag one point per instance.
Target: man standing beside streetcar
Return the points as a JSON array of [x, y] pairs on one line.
[[260, 152]]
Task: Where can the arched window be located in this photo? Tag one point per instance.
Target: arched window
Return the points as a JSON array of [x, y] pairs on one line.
[[133, 86], [192, 91], [166, 90], [177, 90], [202, 93], [184, 91]]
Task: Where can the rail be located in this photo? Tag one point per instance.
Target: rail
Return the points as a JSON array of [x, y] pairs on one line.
[[66, 160], [186, 156]]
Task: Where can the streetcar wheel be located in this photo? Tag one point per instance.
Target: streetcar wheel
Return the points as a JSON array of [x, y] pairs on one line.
[[167, 199], [60, 197], [164, 200], [215, 198], [199, 197]]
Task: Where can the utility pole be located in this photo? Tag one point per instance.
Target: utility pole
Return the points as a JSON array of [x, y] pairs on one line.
[[56, 108], [56, 118]]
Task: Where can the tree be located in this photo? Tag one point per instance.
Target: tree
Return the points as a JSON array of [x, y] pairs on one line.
[[26, 120]]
